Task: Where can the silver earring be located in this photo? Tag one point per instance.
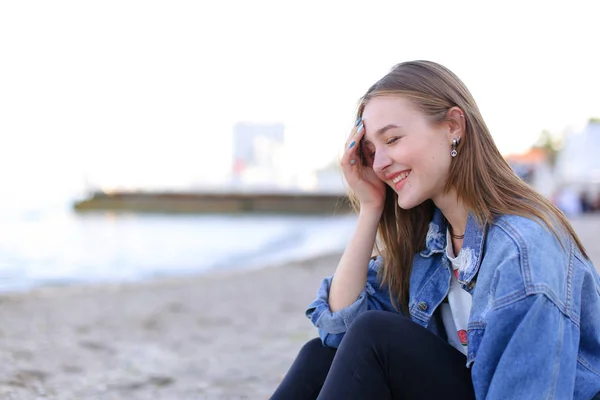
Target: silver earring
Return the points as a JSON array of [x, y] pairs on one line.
[[455, 143]]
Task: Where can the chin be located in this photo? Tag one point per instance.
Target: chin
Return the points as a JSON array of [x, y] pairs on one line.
[[407, 203]]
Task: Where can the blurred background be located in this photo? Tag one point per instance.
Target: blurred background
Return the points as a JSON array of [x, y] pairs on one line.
[[195, 98]]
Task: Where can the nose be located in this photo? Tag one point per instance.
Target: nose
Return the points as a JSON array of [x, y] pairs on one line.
[[381, 161]]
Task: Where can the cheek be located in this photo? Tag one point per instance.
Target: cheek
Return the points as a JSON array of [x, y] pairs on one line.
[[435, 164], [440, 154]]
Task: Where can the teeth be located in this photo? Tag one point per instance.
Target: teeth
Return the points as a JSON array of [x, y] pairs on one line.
[[400, 177]]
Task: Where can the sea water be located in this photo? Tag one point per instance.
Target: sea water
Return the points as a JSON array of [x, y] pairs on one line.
[[53, 245]]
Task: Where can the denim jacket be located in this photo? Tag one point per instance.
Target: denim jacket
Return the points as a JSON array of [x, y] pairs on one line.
[[534, 328]]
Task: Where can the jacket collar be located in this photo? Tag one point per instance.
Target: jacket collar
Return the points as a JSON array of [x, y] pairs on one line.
[[472, 249]]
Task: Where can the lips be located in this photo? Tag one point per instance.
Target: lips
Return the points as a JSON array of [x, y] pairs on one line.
[[396, 176]]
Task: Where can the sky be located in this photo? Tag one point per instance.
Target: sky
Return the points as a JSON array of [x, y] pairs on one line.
[[147, 92]]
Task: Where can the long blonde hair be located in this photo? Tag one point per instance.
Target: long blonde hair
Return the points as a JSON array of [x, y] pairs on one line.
[[483, 180]]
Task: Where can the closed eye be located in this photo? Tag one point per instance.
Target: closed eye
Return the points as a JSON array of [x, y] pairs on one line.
[[392, 140], [368, 151]]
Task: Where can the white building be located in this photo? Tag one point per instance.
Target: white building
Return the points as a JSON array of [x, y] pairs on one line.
[[578, 163]]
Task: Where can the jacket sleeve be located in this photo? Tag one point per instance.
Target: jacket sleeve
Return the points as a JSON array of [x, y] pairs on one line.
[[528, 351], [333, 325]]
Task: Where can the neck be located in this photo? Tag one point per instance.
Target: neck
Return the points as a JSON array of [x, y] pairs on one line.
[[454, 211]]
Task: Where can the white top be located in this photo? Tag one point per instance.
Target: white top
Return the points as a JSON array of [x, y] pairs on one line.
[[455, 313]]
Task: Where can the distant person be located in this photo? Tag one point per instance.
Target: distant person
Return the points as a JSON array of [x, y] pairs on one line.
[[584, 202], [587, 202], [479, 288]]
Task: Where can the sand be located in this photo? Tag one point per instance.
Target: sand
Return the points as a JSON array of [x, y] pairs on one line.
[[227, 335]]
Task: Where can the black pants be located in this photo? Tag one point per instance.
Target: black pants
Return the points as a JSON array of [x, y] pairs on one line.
[[382, 356]]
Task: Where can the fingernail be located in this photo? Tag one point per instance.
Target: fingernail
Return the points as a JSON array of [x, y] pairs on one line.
[[359, 121], [360, 128], [352, 144], [352, 162]]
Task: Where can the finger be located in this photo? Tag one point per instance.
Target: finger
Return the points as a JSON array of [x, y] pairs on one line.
[[353, 131], [352, 155], [360, 131]]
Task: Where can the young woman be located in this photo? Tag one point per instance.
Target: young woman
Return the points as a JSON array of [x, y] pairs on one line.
[[480, 287]]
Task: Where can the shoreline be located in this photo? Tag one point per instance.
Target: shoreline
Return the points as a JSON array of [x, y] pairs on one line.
[[75, 286]]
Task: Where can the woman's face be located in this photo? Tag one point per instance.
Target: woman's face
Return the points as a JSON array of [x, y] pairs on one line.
[[406, 150]]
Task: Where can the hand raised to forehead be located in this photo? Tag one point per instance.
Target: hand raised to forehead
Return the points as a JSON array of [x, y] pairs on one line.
[[361, 178]]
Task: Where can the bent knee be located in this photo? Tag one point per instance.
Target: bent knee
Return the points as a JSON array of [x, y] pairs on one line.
[[311, 346], [372, 321]]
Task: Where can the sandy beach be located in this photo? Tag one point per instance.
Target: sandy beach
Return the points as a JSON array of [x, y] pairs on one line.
[[222, 336]]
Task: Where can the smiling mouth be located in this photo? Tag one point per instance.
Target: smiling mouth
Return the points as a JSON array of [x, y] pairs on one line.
[[401, 177]]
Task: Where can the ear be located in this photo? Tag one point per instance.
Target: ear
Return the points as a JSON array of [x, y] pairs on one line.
[[456, 123]]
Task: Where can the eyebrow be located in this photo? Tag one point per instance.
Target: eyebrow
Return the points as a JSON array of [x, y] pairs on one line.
[[381, 131]]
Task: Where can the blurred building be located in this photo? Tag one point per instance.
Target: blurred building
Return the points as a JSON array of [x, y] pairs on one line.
[[534, 168], [578, 162], [264, 161], [257, 154], [253, 144]]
